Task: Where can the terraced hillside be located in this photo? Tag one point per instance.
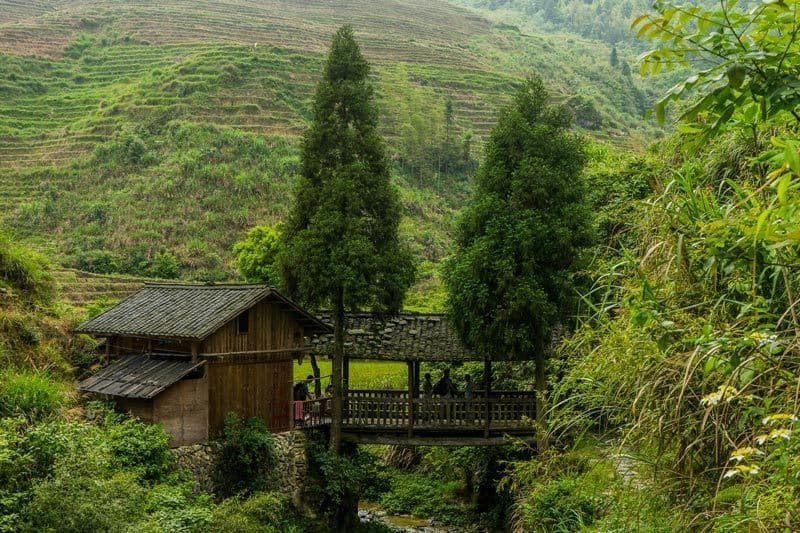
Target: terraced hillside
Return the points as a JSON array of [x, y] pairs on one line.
[[81, 288], [59, 111], [146, 137]]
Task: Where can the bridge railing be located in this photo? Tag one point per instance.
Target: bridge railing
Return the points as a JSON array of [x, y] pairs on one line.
[[392, 409], [314, 413]]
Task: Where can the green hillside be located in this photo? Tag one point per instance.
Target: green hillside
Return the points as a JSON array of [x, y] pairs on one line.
[[145, 138]]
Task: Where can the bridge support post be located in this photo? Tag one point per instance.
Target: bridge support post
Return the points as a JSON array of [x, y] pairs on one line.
[[411, 388], [345, 387], [487, 377]]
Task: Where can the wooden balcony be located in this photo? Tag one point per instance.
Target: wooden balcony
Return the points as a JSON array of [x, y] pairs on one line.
[[391, 417]]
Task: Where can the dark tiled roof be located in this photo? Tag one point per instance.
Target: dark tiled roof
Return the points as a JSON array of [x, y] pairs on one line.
[[407, 336], [138, 377], [186, 311]]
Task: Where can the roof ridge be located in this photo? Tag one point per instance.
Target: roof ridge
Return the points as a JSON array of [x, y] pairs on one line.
[[185, 285], [388, 315]]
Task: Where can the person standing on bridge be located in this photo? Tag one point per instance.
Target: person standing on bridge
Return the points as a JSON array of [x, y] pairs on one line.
[[469, 394], [427, 386], [444, 387], [427, 394], [300, 393]]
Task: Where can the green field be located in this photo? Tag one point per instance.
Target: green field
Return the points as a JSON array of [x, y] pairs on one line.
[[363, 374]]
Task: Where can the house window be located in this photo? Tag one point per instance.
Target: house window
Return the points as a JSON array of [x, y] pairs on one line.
[[243, 323]]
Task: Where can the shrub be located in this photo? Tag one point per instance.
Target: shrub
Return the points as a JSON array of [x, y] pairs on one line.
[[257, 254], [176, 508], [422, 495], [164, 265], [127, 148], [246, 458], [75, 502], [83, 355], [19, 329], [264, 512], [561, 506], [139, 447], [100, 305], [29, 395], [98, 261]]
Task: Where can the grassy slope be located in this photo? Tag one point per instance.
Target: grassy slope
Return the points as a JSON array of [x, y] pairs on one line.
[[77, 75]]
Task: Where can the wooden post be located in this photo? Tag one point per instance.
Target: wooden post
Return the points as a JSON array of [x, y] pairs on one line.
[[487, 377], [345, 386], [411, 366], [417, 364], [195, 351], [108, 349]]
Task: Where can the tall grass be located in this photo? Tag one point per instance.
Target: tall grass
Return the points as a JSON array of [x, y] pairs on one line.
[[26, 271], [688, 352]]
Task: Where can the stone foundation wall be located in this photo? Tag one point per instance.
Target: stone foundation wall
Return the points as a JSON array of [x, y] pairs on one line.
[[292, 469]]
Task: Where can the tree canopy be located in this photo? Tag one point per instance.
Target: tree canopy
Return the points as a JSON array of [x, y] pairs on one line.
[[341, 234], [510, 279], [257, 254]]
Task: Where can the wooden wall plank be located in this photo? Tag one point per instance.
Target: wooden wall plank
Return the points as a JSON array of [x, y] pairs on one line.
[[183, 410], [250, 389]]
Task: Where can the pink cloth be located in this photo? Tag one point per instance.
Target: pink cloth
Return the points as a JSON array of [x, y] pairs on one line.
[[299, 410]]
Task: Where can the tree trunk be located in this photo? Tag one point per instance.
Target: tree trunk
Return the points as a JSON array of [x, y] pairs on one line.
[[542, 441], [336, 371], [346, 516]]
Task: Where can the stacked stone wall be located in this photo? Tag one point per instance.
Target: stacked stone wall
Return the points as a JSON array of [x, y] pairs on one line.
[[291, 471]]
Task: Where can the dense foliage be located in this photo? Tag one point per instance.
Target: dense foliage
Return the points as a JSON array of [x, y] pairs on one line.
[[675, 399], [744, 70], [687, 355], [257, 255], [247, 457]]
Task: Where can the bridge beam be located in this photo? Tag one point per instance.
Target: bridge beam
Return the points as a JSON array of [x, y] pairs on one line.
[[433, 440]]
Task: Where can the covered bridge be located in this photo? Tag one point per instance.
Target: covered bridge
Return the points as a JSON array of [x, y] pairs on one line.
[[185, 355], [405, 416]]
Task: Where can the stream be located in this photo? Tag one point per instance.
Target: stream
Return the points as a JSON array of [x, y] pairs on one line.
[[372, 514]]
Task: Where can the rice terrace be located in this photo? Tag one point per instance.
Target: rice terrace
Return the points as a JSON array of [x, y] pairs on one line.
[[398, 266]]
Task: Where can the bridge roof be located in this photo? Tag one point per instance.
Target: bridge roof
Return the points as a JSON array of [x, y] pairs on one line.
[[404, 337]]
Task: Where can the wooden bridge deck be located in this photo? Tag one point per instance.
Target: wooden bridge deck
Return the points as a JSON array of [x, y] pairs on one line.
[[391, 417]]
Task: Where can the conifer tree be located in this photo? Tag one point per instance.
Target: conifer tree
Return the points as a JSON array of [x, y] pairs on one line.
[[614, 59], [340, 243], [510, 279]]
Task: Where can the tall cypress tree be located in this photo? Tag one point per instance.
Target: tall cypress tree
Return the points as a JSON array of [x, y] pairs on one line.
[[340, 244], [510, 279]]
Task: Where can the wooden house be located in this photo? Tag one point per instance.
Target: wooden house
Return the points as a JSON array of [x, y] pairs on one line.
[[186, 355]]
